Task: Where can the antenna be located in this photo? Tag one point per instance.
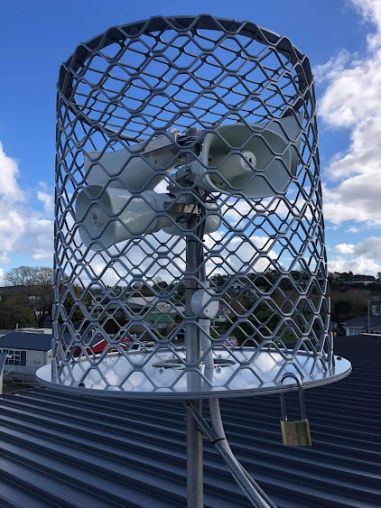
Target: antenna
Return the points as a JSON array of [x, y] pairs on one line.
[[190, 261]]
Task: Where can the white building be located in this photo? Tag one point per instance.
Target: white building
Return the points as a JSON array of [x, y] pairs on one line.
[[363, 324], [26, 352]]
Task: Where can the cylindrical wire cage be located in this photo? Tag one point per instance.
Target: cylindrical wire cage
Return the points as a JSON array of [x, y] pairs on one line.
[[189, 251]]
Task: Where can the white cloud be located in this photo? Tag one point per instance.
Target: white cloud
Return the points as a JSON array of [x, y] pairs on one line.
[[371, 11], [370, 247], [240, 254], [360, 265], [38, 238], [12, 226], [352, 100], [23, 229], [46, 197], [9, 188], [333, 67], [355, 199], [11, 198], [344, 248], [363, 257]]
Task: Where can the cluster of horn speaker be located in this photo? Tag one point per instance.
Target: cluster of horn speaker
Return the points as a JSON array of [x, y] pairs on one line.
[[119, 201]]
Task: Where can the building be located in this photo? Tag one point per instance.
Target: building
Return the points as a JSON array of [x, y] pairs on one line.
[[374, 305], [26, 352], [363, 324], [364, 280], [370, 323]]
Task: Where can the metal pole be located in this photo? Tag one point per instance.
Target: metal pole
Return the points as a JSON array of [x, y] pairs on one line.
[[3, 357], [369, 307], [195, 475], [195, 495]]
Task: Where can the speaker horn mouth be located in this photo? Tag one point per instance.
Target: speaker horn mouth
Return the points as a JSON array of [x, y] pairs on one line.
[[93, 213], [254, 161], [109, 216], [106, 217]]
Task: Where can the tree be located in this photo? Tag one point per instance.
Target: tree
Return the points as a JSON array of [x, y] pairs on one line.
[[348, 304], [36, 286], [342, 309], [13, 312], [30, 276]]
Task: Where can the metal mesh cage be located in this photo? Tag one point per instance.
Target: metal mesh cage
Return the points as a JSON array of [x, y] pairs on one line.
[[189, 248]]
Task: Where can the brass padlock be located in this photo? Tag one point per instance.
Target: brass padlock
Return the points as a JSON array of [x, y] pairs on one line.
[[295, 433]]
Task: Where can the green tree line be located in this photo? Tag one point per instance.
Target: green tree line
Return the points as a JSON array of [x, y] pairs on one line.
[[27, 297]]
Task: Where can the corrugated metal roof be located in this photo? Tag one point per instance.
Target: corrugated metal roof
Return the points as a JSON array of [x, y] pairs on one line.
[[29, 341], [58, 450], [363, 321]]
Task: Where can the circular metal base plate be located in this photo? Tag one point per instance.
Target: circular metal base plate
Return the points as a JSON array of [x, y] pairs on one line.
[[161, 374]]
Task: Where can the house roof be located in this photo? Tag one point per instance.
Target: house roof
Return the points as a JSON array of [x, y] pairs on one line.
[[156, 318], [60, 450], [362, 322], [150, 301], [29, 341]]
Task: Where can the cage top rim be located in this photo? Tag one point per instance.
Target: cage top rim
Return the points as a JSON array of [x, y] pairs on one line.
[[182, 23]]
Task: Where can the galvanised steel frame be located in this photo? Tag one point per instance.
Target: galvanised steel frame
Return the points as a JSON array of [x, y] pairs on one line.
[[124, 324]]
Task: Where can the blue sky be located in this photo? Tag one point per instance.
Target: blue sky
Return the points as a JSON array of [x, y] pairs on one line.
[[341, 38]]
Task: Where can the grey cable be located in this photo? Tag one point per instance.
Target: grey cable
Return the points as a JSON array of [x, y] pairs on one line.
[[252, 490]]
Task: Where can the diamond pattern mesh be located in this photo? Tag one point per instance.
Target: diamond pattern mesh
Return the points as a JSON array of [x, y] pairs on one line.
[[187, 161]]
